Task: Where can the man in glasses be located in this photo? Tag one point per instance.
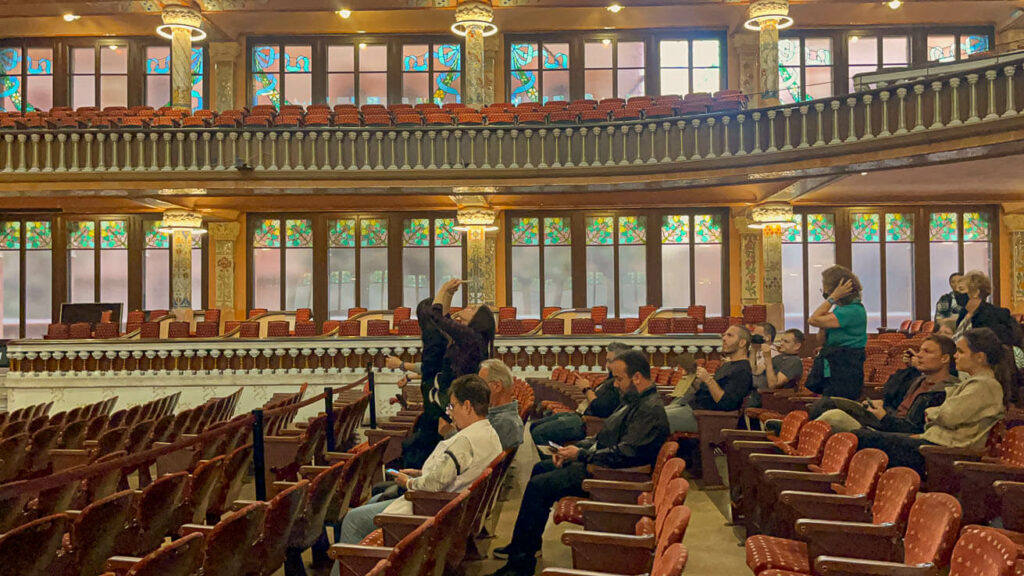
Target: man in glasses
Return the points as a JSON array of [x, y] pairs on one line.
[[453, 465]]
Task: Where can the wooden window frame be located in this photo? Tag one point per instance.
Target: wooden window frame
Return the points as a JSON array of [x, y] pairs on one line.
[[431, 247], [22, 218], [32, 44], [430, 72], [691, 212], [205, 239], [206, 72], [689, 36], [575, 231]]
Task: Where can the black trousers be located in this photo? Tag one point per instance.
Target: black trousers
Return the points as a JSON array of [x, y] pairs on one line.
[[901, 448], [547, 485]]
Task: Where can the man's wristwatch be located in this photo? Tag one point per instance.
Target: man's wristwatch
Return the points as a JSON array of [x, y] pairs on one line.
[[831, 300]]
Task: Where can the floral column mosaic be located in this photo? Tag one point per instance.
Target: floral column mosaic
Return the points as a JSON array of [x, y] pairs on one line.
[[1015, 224], [767, 17], [476, 219], [181, 25], [473, 21], [223, 236], [750, 257], [181, 225]]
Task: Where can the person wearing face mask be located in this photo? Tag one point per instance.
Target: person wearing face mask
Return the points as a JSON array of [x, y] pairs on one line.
[[949, 306], [724, 391], [632, 436], [838, 369], [974, 290], [453, 465], [601, 401]]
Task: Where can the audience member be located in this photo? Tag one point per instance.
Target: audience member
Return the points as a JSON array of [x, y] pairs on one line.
[[970, 410], [949, 305], [601, 401], [725, 391], [838, 370], [777, 366], [453, 465], [503, 413], [977, 312], [946, 327], [632, 436], [906, 395]]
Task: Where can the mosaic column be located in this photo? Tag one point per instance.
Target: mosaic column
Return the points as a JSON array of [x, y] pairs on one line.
[[750, 262], [222, 59], [181, 224], [473, 21], [771, 243], [1015, 225], [223, 236], [182, 24], [768, 17], [481, 250]]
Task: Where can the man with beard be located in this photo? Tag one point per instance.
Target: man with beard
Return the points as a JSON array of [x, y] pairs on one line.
[[724, 391], [632, 436]]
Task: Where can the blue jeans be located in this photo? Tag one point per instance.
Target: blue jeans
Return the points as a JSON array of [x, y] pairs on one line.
[[560, 428], [358, 522]]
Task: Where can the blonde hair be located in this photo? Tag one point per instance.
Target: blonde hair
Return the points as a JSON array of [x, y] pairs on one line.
[[976, 280]]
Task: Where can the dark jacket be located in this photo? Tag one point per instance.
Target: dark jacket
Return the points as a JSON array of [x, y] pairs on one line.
[[632, 436], [838, 371], [895, 390], [997, 319], [607, 400], [467, 348]]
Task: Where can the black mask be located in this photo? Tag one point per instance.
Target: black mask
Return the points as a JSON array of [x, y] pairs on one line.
[[961, 298]]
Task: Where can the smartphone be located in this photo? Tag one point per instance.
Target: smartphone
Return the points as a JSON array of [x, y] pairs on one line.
[[446, 418], [554, 446], [392, 471]]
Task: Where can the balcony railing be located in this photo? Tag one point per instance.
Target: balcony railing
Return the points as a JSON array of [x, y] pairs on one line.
[[984, 94]]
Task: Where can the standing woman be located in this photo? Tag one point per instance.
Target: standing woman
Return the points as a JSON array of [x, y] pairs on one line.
[[838, 369]]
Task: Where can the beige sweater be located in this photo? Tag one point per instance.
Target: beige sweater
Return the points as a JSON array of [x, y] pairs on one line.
[[971, 409]]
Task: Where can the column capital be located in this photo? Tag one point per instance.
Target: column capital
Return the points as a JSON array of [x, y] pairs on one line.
[[1014, 222], [221, 51], [224, 230]]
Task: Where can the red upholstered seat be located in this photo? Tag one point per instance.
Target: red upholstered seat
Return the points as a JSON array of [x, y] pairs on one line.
[[582, 326], [671, 562], [80, 330], [349, 328], [378, 328], [659, 325], [614, 326], [178, 330], [983, 551], [257, 312], [277, 329], [567, 510], [697, 311], [330, 326], [510, 327], [401, 313], [716, 325], [106, 330], [548, 311], [249, 330], [768, 552], [408, 328], [305, 329], [506, 313], [646, 311], [303, 315], [755, 313], [376, 538], [684, 325], [207, 329], [149, 330], [598, 314], [354, 311], [553, 326]]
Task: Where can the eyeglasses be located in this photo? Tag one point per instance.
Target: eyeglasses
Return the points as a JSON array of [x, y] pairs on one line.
[[449, 408]]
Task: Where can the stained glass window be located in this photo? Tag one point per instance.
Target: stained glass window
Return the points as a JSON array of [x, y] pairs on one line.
[[525, 231], [416, 232], [864, 228], [795, 233], [445, 233], [158, 77], [113, 234], [600, 231], [899, 227], [808, 245], [431, 73], [690, 66], [973, 44], [282, 75], [38, 236], [976, 227], [821, 228], [82, 234], [10, 235], [675, 229], [155, 239], [943, 227], [557, 232], [538, 72], [267, 234], [373, 232], [707, 229], [26, 86], [805, 69], [952, 47], [342, 233], [299, 234], [632, 229]]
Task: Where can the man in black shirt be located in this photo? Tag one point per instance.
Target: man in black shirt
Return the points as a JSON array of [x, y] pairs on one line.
[[632, 436], [602, 400], [725, 391]]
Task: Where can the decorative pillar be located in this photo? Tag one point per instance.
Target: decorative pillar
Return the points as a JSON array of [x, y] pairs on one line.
[[222, 63], [476, 219], [1015, 225], [750, 262], [768, 17], [182, 27], [223, 236], [181, 225], [473, 21], [771, 218], [744, 48]]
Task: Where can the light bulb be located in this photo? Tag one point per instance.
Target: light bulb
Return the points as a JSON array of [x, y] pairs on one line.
[[69, 17], [344, 13], [894, 4], [615, 8], [606, 41]]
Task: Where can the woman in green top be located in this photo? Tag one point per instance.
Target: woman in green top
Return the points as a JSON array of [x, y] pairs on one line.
[[839, 368]]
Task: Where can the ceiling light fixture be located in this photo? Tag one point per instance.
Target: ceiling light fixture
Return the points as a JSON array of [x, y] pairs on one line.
[[362, 45], [762, 12], [474, 16], [615, 8], [69, 17], [114, 47], [894, 4], [177, 17], [606, 41], [771, 214], [344, 13]]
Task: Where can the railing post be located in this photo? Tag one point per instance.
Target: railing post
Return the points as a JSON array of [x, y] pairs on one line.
[[373, 395], [258, 458], [329, 403]]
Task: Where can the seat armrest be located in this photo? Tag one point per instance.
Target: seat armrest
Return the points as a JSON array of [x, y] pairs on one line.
[[342, 551], [1011, 472], [121, 564], [335, 457], [614, 518], [731, 434], [835, 566], [801, 481], [397, 526], [851, 539], [612, 552], [571, 537], [187, 529], [282, 439], [781, 462], [828, 506], [619, 492], [634, 474], [239, 504], [72, 513], [311, 471], [291, 431], [572, 572], [428, 503]]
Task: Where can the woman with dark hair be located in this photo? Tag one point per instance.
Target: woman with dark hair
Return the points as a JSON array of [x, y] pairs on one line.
[[970, 410], [838, 370]]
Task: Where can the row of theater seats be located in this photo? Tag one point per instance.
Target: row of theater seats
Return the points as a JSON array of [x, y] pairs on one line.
[[813, 503], [376, 115]]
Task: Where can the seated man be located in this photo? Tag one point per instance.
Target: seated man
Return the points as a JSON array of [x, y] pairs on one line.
[[602, 400], [725, 391], [775, 364], [503, 413], [453, 465], [907, 393], [632, 436]]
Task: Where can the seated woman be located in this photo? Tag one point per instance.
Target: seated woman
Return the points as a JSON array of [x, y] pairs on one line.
[[971, 409]]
